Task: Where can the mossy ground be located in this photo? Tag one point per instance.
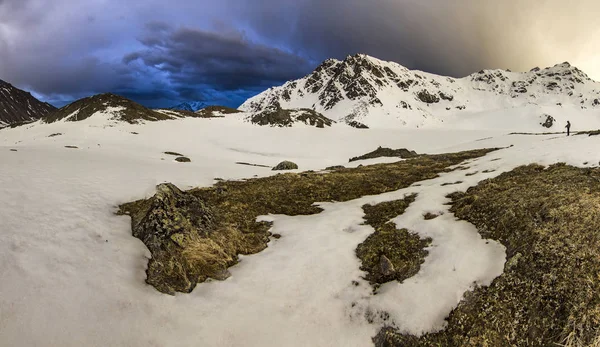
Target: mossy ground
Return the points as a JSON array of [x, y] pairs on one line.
[[549, 220], [237, 204], [404, 250], [386, 152]]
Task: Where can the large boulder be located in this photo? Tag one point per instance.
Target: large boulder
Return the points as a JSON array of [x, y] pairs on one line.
[[285, 165], [171, 223]]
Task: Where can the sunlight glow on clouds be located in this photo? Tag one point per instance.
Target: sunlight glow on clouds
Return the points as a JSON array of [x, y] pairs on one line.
[[161, 53]]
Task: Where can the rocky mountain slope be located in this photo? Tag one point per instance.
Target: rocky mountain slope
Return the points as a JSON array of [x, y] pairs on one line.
[[276, 116], [17, 105], [111, 106], [365, 90], [216, 111]]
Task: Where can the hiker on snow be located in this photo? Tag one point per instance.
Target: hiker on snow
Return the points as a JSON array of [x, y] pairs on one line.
[[568, 128]]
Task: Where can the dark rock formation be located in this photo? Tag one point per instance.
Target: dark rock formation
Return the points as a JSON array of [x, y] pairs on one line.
[[357, 125], [427, 97], [386, 267], [549, 122], [276, 116], [285, 165], [216, 111]]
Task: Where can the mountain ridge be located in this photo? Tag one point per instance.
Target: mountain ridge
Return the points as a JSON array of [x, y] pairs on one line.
[[113, 106], [17, 106], [371, 91], [190, 106]]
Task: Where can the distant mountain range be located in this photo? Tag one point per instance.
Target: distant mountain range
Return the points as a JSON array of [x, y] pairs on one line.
[[362, 90], [190, 106], [17, 105]]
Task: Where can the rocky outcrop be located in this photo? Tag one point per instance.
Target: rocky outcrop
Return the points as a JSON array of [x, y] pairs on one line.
[[169, 223], [276, 116], [427, 97], [286, 165], [216, 111], [357, 125], [549, 122]]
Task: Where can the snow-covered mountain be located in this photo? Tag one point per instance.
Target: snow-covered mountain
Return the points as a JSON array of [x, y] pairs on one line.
[[17, 105], [191, 106], [365, 90]]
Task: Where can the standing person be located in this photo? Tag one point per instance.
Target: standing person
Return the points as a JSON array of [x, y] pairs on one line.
[[568, 128]]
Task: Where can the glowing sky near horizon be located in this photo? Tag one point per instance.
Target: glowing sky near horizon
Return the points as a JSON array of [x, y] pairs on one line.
[[221, 52]]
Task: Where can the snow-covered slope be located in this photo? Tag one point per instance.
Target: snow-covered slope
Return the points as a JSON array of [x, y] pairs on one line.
[[17, 106], [72, 274], [378, 93]]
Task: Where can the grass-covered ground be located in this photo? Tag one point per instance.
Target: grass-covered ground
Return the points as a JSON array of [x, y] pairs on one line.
[[549, 294], [390, 253], [187, 249]]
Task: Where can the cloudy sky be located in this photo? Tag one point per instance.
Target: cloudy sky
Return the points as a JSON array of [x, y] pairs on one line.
[[160, 53]]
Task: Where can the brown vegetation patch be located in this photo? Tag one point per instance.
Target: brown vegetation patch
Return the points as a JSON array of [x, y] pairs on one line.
[[235, 205], [387, 152], [389, 253], [548, 220]]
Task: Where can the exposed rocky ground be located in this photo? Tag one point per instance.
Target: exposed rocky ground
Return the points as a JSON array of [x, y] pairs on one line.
[[216, 111], [276, 116], [198, 234], [17, 106]]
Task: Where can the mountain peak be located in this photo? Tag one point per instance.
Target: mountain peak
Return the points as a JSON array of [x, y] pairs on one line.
[[191, 106], [18, 106]]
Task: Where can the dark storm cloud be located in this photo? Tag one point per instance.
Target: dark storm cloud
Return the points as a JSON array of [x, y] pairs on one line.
[[224, 61], [447, 37], [224, 51]]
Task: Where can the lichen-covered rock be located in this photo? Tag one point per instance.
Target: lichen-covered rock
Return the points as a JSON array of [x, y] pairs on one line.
[[285, 165], [167, 223], [386, 267]]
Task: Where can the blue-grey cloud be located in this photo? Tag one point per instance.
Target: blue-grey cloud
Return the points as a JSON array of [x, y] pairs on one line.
[[224, 51]]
